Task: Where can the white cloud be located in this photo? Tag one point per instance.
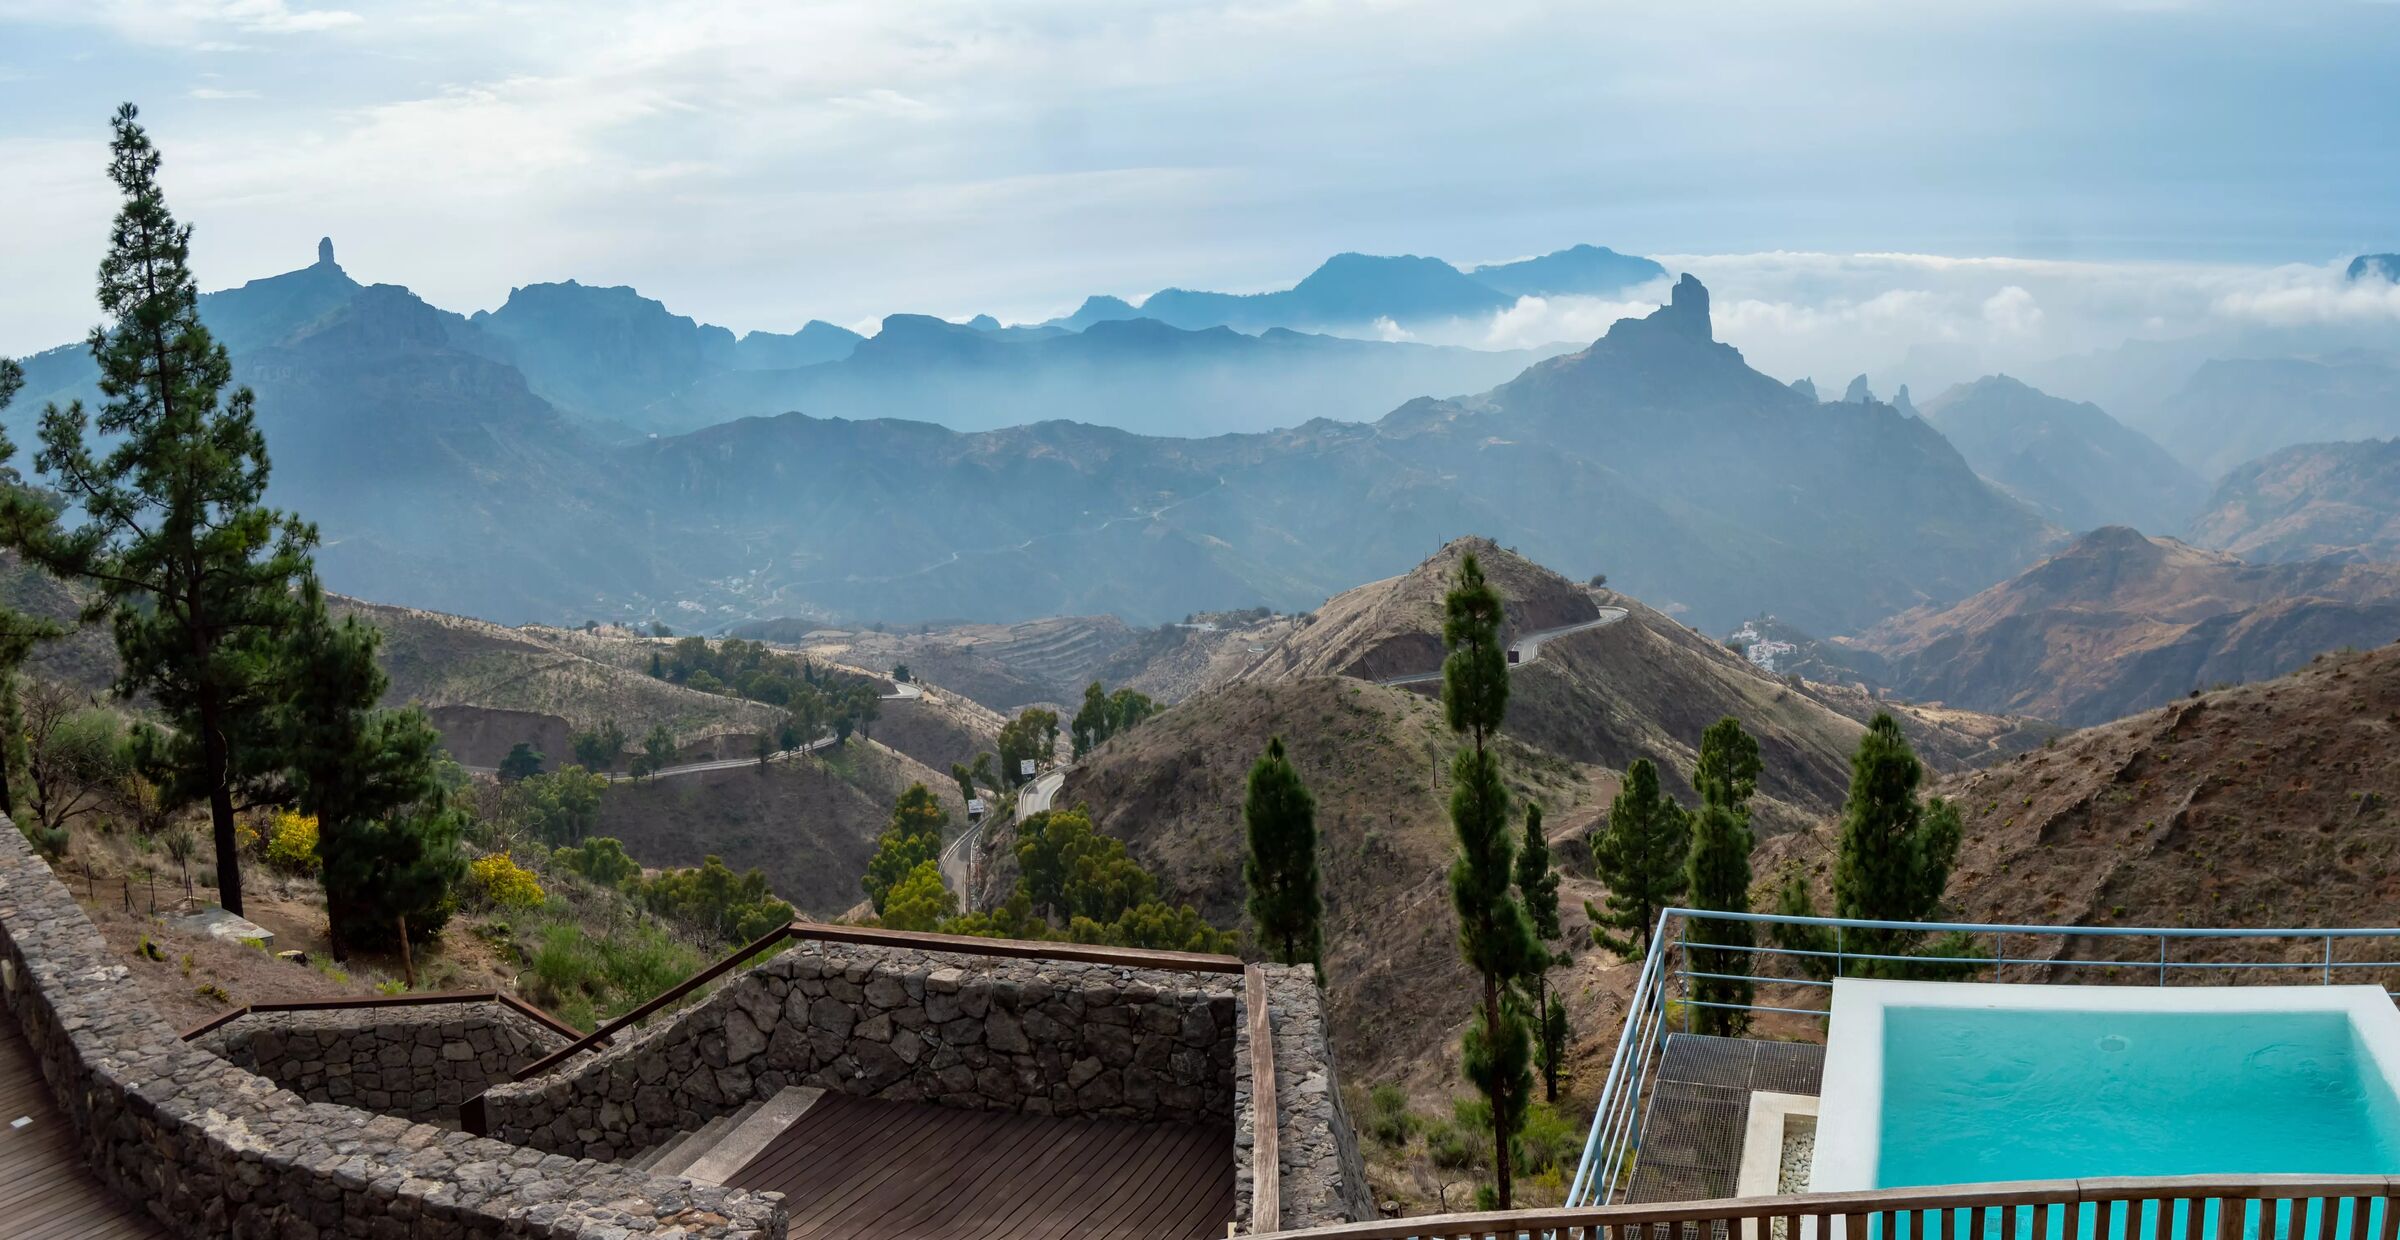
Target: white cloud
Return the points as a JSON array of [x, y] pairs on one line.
[[214, 92], [2013, 312]]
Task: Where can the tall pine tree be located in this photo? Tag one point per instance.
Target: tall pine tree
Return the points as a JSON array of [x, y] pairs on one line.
[[1287, 904], [1892, 860], [1718, 873], [1537, 888], [1493, 933], [387, 838], [177, 543], [1641, 855]]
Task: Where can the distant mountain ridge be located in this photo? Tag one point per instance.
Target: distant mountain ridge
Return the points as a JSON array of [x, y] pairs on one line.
[[2118, 622], [443, 478], [1351, 293], [2319, 499], [2079, 466]]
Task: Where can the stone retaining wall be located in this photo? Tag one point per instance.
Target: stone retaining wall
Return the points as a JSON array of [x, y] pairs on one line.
[[1320, 1176], [1040, 1037], [416, 1061], [209, 1149]]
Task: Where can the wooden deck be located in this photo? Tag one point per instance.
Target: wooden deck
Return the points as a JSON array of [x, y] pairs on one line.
[[46, 1193], [858, 1169]]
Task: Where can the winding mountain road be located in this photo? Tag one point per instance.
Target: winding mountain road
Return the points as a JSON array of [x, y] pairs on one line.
[[902, 693], [1528, 647], [958, 860]]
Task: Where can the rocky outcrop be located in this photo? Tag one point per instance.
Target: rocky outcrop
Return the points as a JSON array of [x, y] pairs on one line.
[[209, 1149], [417, 1062]]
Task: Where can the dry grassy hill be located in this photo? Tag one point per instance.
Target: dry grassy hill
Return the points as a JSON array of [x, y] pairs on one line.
[[1393, 627], [939, 728], [583, 678], [1005, 666], [1377, 760], [2265, 804], [809, 823]]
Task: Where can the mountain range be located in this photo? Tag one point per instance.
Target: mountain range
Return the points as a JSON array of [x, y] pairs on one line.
[[2308, 501], [2071, 461], [1354, 293], [2118, 622]]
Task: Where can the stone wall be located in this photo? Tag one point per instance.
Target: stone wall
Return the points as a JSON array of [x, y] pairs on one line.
[[1320, 1175], [209, 1149], [1041, 1037], [416, 1061]]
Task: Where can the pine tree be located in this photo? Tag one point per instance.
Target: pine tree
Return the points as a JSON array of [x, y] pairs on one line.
[[1537, 888], [18, 631], [912, 838], [198, 574], [1494, 934], [387, 838], [1641, 855], [1894, 855], [1287, 903], [1718, 874]]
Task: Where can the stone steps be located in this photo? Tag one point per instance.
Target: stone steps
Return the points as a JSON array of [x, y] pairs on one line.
[[759, 1126], [725, 1144]]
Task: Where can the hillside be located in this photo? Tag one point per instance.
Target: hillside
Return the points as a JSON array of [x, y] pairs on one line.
[[2264, 804], [2071, 461], [1005, 666], [2118, 623], [809, 823], [2309, 501], [1172, 789], [2234, 410], [1637, 684]]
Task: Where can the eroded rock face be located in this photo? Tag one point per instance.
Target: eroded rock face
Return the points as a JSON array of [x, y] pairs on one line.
[[966, 1031]]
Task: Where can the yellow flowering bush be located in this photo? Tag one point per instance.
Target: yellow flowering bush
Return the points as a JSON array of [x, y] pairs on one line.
[[503, 883], [292, 841]]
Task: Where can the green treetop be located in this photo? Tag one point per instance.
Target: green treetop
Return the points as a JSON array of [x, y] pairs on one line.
[[1287, 904]]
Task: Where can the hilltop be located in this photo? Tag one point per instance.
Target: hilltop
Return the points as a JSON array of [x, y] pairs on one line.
[[1635, 684], [2119, 622]]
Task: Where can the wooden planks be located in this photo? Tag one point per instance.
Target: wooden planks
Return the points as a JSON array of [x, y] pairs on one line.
[[859, 1169], [1266, 1155], [46, 1192]]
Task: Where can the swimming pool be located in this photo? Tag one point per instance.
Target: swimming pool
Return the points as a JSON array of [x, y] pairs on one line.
[[1930, 1083]]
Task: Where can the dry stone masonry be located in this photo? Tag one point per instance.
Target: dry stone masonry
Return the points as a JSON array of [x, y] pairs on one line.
[[1040, 1037], [1320, 1176], [418, 1062], [210, 1149]]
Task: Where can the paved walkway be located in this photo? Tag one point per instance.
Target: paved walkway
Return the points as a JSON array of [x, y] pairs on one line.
[[858, 1169], [46, 1193]]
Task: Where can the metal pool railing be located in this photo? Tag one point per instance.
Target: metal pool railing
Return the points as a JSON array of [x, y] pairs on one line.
[[1790, 959]]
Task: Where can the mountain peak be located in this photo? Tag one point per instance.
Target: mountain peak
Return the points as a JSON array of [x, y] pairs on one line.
[[1685, 316], [2367, 266], [325, 252], [1858, 393]]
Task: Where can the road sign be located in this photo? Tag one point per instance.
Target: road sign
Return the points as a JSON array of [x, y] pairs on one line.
[[1025, 768], [975, 808]]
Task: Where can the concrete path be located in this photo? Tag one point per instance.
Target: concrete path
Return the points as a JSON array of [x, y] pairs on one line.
[[1528, 647]]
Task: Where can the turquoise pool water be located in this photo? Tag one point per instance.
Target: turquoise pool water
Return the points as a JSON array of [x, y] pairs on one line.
[[1978, 1095]]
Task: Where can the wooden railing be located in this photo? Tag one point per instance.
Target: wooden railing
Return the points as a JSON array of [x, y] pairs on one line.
[[1266, 1153], [963, 944], [513, 1003], [2171, 1208]]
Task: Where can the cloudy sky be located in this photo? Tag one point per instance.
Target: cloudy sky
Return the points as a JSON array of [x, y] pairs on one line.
[[1848, 174]]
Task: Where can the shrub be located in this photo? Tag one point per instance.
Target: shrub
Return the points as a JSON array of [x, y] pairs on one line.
[[210, 990], [1388, 1120], [1450, 1149], [1548, 1139], [503, 883], [292, 842]]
